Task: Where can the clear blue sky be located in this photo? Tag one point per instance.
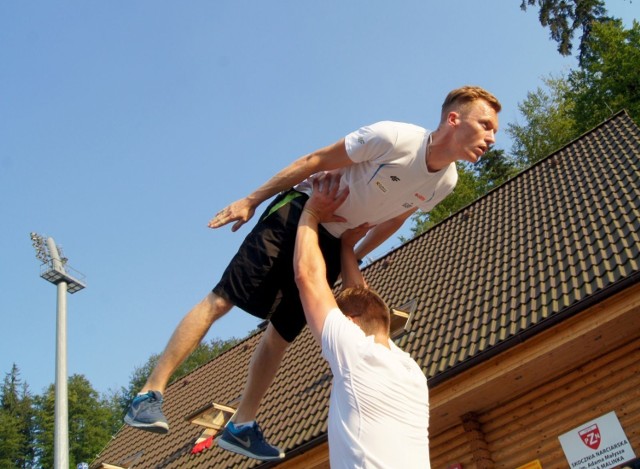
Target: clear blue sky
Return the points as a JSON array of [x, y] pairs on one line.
[[124, 126]]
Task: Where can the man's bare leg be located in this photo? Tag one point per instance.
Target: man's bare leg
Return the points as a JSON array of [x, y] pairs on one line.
[[248, 440], [185, 339], [145, 411], [263, 368]]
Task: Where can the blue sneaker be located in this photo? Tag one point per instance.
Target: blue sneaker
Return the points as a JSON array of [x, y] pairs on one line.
[[248, 441], [145, 413]]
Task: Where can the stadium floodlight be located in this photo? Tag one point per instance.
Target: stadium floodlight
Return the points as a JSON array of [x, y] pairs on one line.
[[54, 266], [55, 270]]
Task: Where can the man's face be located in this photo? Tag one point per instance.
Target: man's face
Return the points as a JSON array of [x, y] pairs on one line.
[[476, 125]]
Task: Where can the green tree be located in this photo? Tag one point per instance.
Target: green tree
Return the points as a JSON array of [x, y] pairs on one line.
[[16, 422], [493, 169], [115, 402], [10, 440], [607, 81], [609, 77], [564, 17], [90, 423], [548, 123]]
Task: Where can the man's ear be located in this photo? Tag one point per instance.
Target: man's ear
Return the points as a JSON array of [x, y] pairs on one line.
[[453, 118]]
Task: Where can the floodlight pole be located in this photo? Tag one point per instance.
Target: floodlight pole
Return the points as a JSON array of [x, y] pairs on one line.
[[54, 271], [61, 434]]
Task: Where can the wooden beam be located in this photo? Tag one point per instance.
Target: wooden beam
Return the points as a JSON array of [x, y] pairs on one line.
[[212, 416]]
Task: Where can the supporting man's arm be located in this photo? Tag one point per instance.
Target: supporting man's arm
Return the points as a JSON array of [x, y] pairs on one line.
[[325, 159], [308, 262], [350, 270], [380, 233]]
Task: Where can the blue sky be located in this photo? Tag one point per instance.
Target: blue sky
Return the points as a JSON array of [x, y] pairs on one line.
[[124, 126]]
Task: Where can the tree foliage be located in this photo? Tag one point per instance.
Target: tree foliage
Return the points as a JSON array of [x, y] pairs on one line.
[[564, 17], [548, 123], [16, 422], [90, 423], [10, 441], [27, 423], [609, 77], [607, 82]]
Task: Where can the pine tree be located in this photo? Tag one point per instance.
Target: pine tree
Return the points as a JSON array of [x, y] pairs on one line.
[[16, 422]]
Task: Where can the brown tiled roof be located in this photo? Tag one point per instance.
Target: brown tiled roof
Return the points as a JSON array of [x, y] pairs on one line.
[[550, 242]]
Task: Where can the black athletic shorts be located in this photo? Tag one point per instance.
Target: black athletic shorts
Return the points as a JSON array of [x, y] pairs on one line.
[[259, 279]]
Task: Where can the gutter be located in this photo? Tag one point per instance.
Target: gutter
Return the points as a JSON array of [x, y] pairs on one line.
[[297, 451]]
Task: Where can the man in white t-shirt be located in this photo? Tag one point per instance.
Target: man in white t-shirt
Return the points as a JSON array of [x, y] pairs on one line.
[[392, 169], [379, 408]]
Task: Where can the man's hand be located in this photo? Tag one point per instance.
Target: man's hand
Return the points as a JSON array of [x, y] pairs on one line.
[[351, 237], [326, 198], [239, 211]]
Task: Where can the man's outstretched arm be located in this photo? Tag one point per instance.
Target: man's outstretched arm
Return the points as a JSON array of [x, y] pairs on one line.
[[309, 265], [325, 159]]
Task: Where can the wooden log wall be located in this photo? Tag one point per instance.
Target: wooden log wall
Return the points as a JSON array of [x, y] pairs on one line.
[[527, 427]]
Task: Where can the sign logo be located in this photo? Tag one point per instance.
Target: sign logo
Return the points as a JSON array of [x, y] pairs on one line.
[[597, 444], [590, 436]]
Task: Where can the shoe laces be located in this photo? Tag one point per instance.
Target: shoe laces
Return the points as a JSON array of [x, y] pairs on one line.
[[153, 402], [259, 434]]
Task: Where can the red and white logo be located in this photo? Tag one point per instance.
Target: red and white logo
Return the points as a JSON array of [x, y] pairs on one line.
[[591, 436]]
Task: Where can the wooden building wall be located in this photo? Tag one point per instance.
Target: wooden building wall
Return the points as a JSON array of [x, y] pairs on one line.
[[526, 428]]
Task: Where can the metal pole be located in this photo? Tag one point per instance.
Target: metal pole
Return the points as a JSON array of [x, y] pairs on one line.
[[61, 446], [61, 432], [55, 272]]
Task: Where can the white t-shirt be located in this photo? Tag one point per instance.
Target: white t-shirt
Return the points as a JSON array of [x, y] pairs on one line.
[[389, 177], [379, 406]]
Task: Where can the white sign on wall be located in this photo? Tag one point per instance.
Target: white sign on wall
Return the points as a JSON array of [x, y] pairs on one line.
[[598, 444]]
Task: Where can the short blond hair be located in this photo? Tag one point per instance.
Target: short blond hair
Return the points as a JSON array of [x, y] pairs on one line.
[[460, 97]]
